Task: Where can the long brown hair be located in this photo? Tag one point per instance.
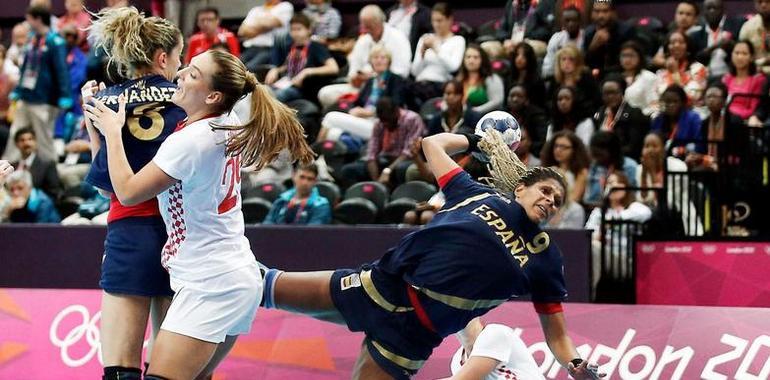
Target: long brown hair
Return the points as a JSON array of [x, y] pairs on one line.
[[130, 39], [579, 159], [273, 126]]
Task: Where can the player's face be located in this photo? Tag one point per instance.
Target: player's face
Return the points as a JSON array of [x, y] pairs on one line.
[[541, 200], [193, 84], [173, 61]]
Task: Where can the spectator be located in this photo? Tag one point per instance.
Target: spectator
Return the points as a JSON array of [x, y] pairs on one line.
[[302, 204], [651, 170], [77, 158], [42, 168], [523, 150], [374, 32], [604, 37], [754, 30], [616, 115], [570, 71], [567, 116], [438, 55], [483, 89], [44, 87], [76, 17], [262, 25], [77, 63], [326, 20], [390, 147], [525, 71], [53, 20], [681, 69], [714, 128], [28, 204], [713, 40], [606, 159], [680, 125], [456, 116], [15, 56], [360, 120], [642, 84], [210, 33], [530, 117], [529, 21], [743, 79], [568, 153], [304, 60], [685, 18], [571, 34], [412, 19], [7, 83]]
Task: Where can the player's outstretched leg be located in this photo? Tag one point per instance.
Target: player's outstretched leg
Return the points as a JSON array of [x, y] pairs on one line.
[[306, 293]]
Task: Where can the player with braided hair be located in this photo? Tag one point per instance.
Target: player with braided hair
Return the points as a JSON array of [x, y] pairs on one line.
[[483, 248]]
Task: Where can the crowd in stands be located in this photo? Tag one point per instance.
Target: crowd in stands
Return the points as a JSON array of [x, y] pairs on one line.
[[608, 101]]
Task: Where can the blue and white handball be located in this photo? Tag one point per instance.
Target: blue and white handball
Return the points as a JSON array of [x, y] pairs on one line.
[[504, 123]]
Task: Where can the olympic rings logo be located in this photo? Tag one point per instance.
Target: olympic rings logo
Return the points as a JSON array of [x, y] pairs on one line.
[[88, 328]]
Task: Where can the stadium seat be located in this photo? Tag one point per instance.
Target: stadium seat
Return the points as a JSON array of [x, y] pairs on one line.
[[371, 190], [266, 191], [430, 108], [330, 191], [355, 211], [394, 211], [255, 209], [418, 191]]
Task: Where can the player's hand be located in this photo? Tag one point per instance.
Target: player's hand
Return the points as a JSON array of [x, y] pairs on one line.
[[5, 170], [585, 370], [90, 89], [299, 78], [107, 121]]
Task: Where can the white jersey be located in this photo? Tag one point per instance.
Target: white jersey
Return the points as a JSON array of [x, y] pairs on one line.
[[499, 342], [202, 211]]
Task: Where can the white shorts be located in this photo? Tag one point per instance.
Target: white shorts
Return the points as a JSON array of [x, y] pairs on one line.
[[221, 306]]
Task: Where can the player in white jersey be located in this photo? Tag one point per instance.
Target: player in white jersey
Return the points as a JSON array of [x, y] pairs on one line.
[[196, 176], [492, 352]]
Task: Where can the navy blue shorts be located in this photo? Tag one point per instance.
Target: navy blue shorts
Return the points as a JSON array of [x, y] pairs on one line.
[[131, 262], [394, 338]]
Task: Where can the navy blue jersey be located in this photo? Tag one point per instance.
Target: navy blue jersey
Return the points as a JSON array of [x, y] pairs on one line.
[[150, 118], [479, 251]]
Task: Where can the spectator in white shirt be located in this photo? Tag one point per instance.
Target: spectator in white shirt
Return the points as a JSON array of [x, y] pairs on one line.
[[260, 28], [374, 32], [641, 91], [571, 34], [412, 19], [15, 54]]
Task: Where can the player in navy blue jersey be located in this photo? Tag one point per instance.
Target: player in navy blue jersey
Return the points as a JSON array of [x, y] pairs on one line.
[[147, 50], [483, 248]]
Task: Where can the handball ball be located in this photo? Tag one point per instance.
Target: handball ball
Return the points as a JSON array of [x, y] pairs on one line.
[[504, 123]]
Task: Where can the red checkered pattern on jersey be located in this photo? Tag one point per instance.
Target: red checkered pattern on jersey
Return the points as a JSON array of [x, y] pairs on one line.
[[507, 373], [176, 233]]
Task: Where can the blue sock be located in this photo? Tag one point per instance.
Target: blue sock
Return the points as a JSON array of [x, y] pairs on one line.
[[268, 294]]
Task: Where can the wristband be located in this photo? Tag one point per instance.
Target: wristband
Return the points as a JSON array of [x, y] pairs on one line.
[[576, 362], [473, 142]]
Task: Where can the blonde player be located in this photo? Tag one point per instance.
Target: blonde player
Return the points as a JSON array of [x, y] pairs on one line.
[[196, 176]]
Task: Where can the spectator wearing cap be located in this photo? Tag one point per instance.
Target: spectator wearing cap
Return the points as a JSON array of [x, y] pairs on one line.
[[302, 204], [28, 204], [326, 20], [260, 28], [210, 34], [604, 37]]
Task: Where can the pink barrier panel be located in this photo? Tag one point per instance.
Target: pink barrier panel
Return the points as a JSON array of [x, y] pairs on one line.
[[703, 273], [53, 334]]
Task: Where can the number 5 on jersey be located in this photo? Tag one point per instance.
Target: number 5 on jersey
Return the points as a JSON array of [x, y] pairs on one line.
[[233, 168]]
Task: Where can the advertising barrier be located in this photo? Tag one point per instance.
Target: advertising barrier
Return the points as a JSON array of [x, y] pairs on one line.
[[54, 334], [703, 273]]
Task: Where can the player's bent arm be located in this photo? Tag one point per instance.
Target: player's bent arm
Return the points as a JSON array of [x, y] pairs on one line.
[[476, 368], [439, 147], [130, 188], [555, 331]]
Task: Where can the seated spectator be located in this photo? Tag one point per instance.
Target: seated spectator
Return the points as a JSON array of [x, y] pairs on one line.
[[744, 79], [754, 31], [680, 125], [456, 116], [606, 159], [28, 204], [304, 60], [681, 69], [523, 150], [374, 33], [568, 153], [389, 152], [483, 89], [302, 204], [530, 117], [7, 83], [525, 72], [604, 37], [210, 34], [570, 71], [715, 37], [571, 34], [15, 55], [325, 19], [412, 19], [437, 57], [262, 25], [77, 158], [360, 119], [642, 84], [41, 168], [527, 21], [567, 116], [685, 22], [715, 129], [76, 17], [616, 115]]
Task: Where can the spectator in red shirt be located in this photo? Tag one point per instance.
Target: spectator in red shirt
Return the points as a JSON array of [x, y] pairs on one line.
[[210, 34]]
